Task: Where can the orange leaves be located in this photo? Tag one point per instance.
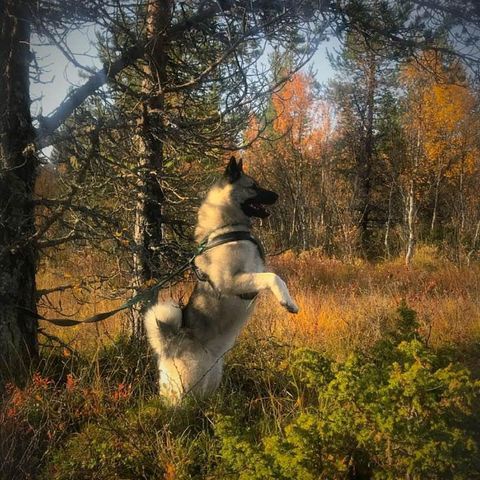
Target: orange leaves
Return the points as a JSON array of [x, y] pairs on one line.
[[170, 471], [292, 106], [299, 130], [302, 120], [253, 129], [71, 383], [16, 398], [19, 399], [122, 392], [41, 382]]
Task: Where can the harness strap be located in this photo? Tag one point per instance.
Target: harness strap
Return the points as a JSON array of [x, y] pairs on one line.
[[235, 236], [228, 237]]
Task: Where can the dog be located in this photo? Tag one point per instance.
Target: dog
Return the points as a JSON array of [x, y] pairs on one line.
[[190, 343]]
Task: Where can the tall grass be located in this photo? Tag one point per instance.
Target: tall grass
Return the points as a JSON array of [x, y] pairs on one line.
[[344, 307], [91, 409]]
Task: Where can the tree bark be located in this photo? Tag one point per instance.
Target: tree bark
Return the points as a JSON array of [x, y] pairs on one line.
[[150, 137], [386, 239], [18, 329], [435, 202], [410, 224], [411, 207], [365, 159], [474, 244]]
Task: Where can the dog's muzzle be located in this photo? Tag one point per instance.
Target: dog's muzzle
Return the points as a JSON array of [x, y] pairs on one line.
[[254, 207]]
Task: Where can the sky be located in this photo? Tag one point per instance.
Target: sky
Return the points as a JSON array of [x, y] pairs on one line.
[[59, 75]]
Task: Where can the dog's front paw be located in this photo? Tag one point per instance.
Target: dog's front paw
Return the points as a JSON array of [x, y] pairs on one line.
[[291, 306]]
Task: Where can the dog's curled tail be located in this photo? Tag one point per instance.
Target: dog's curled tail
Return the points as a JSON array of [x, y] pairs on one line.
[[162, 321]]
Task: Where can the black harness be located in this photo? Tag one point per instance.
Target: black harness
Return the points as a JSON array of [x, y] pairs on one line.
[[222, 239], [235, 236]]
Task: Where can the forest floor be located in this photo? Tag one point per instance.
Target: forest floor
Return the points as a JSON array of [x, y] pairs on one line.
[[356, 385]]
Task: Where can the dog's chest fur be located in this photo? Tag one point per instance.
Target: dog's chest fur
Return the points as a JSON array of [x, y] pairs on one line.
[[213, 317]]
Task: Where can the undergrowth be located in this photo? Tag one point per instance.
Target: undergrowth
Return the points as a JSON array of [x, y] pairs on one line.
[[399, 409]]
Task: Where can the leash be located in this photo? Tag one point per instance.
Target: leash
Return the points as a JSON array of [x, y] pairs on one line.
[[204, 246], [70, 322]]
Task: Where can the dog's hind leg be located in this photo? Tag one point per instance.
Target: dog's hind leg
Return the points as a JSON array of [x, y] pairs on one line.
[[162, 321]]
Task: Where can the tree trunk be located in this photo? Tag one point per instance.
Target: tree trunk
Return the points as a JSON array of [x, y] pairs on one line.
[[410, 224], [474, 244], [18, 329], [386, 239], [411, 212], [435, 203], [148, 215], [461, 227], [365, 159]]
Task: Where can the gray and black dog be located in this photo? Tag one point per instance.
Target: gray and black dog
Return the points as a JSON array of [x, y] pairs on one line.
[[190, 343]]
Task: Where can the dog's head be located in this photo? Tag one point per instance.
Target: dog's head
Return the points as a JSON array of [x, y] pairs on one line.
[[246, 192]]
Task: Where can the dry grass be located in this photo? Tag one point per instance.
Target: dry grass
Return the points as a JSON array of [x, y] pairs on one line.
[[102, 403], [343, 306], [88, 285]]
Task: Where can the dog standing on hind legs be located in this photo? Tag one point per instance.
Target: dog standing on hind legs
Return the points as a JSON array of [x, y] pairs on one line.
[[190, 343]]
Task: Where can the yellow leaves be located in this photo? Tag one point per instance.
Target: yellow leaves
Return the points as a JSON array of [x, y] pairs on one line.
[[439, 117], [470, 161], [447, 115], [122, 237], [73, 160]]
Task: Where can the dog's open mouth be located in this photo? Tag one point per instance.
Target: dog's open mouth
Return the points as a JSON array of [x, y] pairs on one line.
[[253, 208]]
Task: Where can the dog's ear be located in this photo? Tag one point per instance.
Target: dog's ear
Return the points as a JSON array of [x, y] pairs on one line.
[[233, 170], [240, 165]]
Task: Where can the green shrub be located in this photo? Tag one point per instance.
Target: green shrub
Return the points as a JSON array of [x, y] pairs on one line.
[[149, 441], [399, 411]]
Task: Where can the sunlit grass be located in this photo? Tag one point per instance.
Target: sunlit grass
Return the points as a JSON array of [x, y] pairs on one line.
[[94, 394], [342, 306]]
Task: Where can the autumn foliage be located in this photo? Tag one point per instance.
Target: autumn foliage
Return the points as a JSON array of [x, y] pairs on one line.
[[291, 155], [374, 168]]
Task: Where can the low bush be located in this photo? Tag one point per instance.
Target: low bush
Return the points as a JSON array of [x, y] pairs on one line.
[[399, 411], [66, 393], [147, 442]]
